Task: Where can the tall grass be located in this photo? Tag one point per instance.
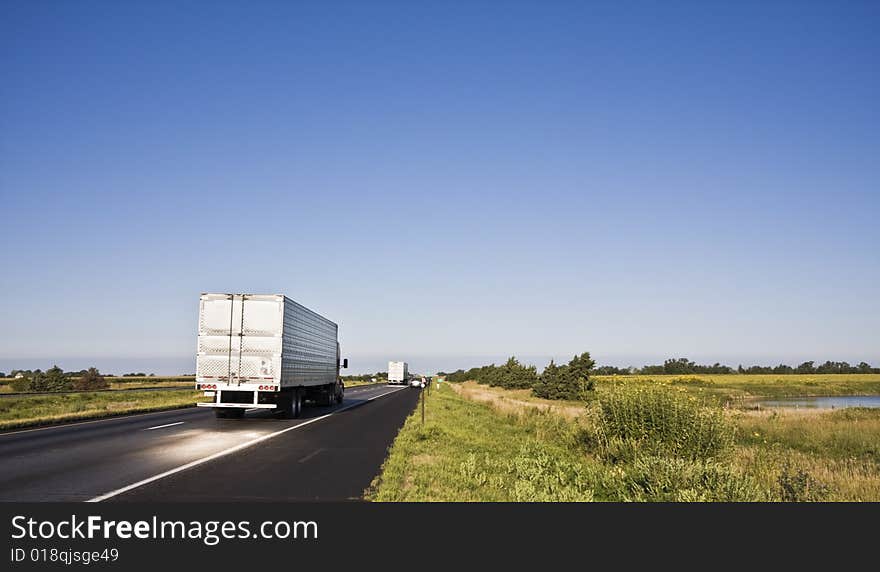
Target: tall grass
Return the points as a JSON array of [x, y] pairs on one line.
[[666, 479], [44, 409], [744, 386], [634, 421]]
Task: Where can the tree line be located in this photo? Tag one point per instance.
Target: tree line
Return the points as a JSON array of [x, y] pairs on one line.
[[573, 380], [80, 373], [56, 379], [678, 366], [568, 381]]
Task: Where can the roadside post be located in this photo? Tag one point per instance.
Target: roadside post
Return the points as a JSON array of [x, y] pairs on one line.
[[423, 404]]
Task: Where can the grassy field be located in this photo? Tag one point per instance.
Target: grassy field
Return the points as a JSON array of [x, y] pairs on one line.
[[356, 383], [468, 452], [49, 408], [638, 441], [745, 386], [125, 382]]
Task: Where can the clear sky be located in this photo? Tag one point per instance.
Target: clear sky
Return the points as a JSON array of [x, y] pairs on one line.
[[451, 182]]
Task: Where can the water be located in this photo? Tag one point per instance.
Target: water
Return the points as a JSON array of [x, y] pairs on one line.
[[838, 402]]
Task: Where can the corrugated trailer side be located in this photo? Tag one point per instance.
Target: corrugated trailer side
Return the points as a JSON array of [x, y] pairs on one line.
[[310, 351]]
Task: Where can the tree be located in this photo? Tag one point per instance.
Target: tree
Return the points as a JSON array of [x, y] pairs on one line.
[[611, 370], [571, 381], [52, 380], [91, 379], [678, 366], [515, 375], [581, 366], [806, 367], [549, 382]]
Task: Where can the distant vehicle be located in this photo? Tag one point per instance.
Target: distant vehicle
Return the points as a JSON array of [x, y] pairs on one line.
[[415, 383], [398, 373], [265, 351]]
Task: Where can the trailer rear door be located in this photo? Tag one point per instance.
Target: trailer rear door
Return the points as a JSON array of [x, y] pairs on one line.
[[239, 338]]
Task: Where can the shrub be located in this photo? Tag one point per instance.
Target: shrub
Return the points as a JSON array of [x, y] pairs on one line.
[[797, 485], [539, 477], [91, 380], [52, 380], [533, 475], [20, 384], [670, 479], [636, 421]]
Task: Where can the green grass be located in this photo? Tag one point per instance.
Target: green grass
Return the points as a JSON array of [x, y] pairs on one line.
[[842, 434], [744, 386], [49, 408], [356, 383], [491, 444], [467, 452]]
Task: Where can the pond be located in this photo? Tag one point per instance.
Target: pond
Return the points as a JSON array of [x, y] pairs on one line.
[[837, 402]]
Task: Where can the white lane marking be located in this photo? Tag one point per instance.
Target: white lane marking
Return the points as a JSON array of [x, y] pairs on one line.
[[235, 449], [178, 410], [166, 425], [310, 455], [253, 409]]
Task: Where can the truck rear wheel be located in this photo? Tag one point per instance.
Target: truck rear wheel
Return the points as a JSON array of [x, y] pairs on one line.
[[291, 404], [297, 404]]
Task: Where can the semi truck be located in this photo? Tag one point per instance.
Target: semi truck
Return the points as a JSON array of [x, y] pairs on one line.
[[398, 373], [265, 351]]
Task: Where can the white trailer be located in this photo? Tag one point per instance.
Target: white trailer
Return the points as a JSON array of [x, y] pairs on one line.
[[265, 351], [398, 372]]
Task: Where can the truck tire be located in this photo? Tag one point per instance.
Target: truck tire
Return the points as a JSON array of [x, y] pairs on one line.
[[287, 404], [297, 404]]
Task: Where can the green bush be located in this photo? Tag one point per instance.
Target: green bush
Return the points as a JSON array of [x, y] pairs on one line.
[[797, 485], [533, 475], [91, 380], [20, 385], [637, 421], [52, 380], [540, 477]]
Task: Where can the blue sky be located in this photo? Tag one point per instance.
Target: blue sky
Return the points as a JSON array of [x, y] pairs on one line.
[[450, 182]]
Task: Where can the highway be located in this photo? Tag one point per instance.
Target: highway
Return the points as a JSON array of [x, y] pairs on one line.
[[330, 453]]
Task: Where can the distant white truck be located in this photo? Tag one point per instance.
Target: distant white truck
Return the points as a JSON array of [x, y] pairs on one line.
[[398, 373], [265, 351]]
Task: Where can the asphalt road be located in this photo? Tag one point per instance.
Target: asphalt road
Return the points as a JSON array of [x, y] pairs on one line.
[[330, 453]]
